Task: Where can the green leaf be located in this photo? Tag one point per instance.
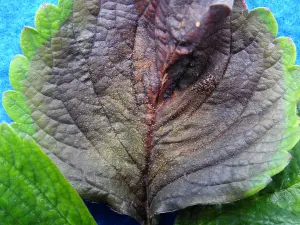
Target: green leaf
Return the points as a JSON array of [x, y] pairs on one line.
[[279, 208], [288, 177], [15, 102], [278, 204], [17, 72], [32, 189], [157, 107]]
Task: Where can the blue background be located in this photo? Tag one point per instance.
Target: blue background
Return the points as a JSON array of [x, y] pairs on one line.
[[15, 14]]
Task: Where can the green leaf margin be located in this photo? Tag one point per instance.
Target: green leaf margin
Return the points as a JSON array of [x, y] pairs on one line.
[[48, 20], [292, 82]]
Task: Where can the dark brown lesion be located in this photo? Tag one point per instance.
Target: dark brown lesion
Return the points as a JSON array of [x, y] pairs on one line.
[[166, 64], [179, 76], [181, 28]]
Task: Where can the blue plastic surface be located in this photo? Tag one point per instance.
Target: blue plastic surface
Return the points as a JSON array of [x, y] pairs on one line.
[[15, 14]]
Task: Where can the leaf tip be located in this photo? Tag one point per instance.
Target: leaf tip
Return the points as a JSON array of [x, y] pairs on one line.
[[258, 183]]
